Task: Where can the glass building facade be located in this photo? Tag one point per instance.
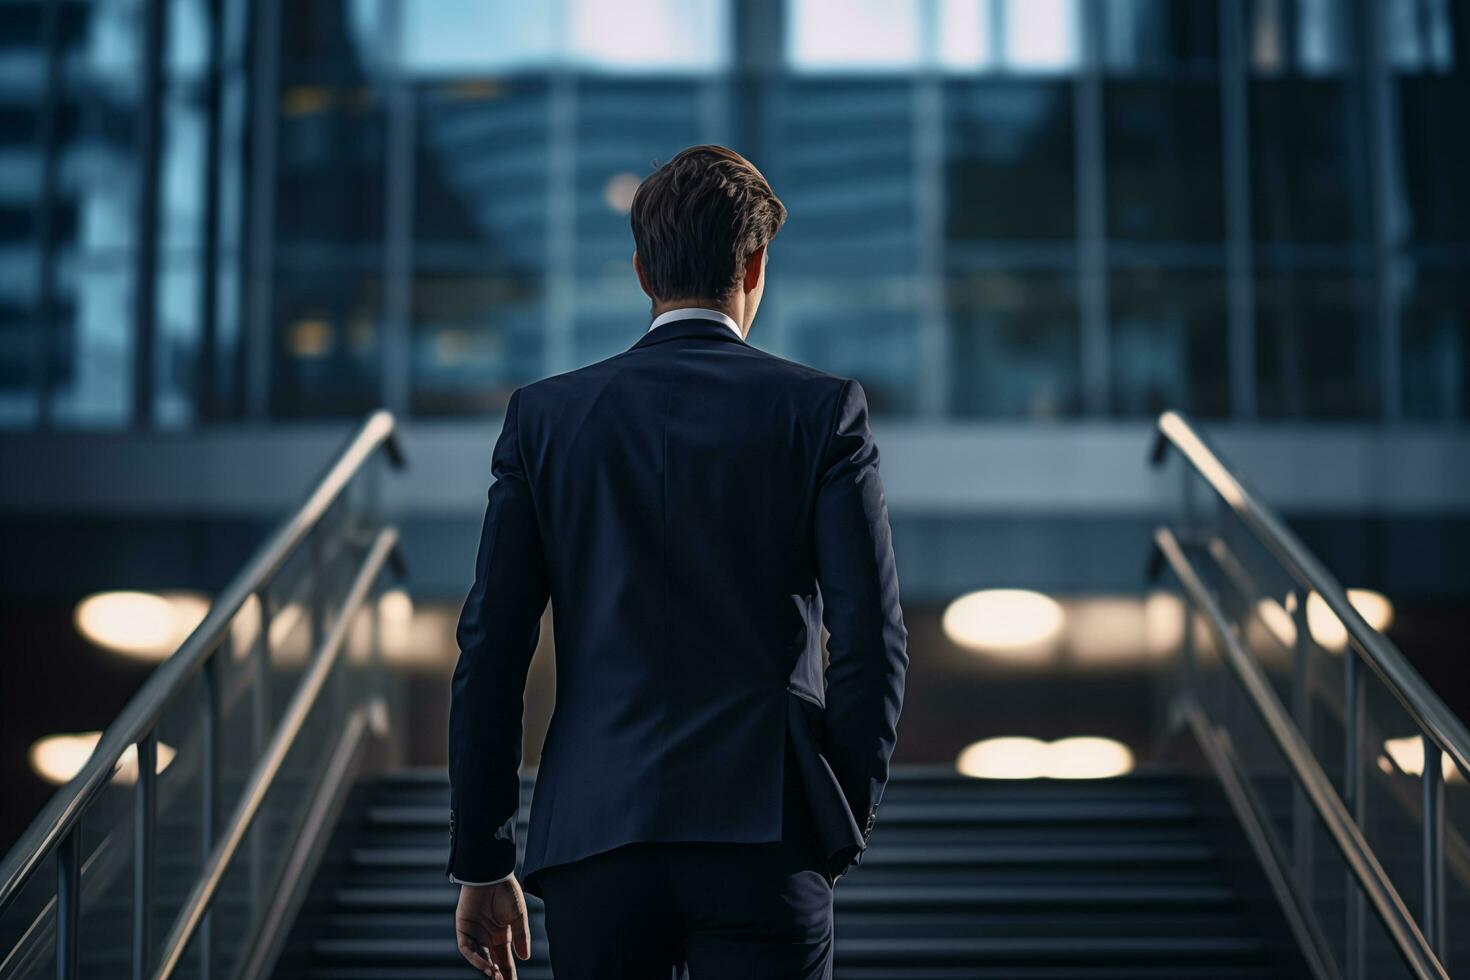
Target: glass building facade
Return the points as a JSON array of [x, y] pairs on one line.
[[221, 210]]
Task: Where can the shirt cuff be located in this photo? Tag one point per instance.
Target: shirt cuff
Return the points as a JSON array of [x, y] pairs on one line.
[[481, 884]]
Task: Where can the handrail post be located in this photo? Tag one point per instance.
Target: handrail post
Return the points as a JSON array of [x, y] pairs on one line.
[[209, 797], [1352, 792], [68, 901], [53, 832], [259, 728], [1433, 826], [145, 814], [1301, 710]]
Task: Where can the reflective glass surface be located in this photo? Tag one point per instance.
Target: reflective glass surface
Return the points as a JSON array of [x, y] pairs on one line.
[[423, 203]]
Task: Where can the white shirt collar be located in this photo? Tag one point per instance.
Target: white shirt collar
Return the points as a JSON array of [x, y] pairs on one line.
[[696, 313]]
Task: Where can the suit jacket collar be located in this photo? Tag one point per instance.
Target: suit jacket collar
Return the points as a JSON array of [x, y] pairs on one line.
[[694, 327]]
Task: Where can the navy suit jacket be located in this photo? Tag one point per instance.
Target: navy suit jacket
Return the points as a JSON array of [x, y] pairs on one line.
[[695, 509]]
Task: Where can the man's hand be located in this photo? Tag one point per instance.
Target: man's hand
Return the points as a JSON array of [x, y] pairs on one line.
[[489, 923]]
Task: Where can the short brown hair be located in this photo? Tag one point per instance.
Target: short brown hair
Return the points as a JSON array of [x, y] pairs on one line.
[[698, 218]]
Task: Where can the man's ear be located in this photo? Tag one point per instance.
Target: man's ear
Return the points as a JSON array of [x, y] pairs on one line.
[[755, 266], [642, 279]]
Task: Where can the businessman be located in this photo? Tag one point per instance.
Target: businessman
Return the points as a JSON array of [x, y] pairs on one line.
[[695, 510]]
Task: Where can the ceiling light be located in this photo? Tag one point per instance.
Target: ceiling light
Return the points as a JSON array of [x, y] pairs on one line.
[[1278, 620], [1328, 630], [143, 625], [1013, 623], [1163, 623], [1088, 757], [1407, 754], [1004, 758], [58, 758], [1080, 757]]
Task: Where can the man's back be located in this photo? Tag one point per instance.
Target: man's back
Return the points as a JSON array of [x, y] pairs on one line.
[[675, 487], [695, 510]]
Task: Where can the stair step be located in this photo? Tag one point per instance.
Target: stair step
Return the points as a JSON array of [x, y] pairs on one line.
[[901, 813], [908, 855], [974, 879], [898, 951], [541, 971], [857, 895]]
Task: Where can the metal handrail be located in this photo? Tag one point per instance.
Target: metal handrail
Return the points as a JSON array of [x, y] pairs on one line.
[[56, 824], [1341, 827], [1427, 710], [1456, 850], [264, 773]]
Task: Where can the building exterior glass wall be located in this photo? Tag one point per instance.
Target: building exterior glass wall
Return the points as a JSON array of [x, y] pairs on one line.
[[1000, 209]]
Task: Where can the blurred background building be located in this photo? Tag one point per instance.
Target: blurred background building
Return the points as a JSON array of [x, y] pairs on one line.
[[228, 229]]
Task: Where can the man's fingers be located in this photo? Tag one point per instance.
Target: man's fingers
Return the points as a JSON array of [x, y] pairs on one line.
[[471, 948], [500, 956], [521, 932]]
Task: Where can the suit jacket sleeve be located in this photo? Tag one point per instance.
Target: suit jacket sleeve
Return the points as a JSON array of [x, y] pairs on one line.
[[497, 634], [867, 647]]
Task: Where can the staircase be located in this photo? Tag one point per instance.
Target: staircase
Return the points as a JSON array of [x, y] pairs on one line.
[[1110, 879]]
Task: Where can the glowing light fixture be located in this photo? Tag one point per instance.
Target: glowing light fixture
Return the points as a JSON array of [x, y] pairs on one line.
[[57, 758], [395, 610], [1081, 757], [1004, 758], [310, 338], [1407, 754], [1088, 757], [1163, 623], [1328, 630], [1106, 632], [142, 625], [1011, 622], [618, 192], [1278, 620]]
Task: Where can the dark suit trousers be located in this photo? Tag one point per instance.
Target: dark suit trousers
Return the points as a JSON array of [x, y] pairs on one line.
[[723, 911]]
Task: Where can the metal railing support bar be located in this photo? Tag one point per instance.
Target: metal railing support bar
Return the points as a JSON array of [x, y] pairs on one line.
[[142, 712], [1356, 914], [274, 756], [260, 712], [145, 817], [1434, 903], [1428, 711], [1301, 711], [209, 797], [68, 901], [1369, 875]]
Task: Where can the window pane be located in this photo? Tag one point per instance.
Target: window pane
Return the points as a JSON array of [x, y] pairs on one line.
[[477, 335], [841, 158], [457, 36], [176, 346], [1168, 342], [1316, 347], [1009, 174], [330, 181], [1306, 37], [1435, 307], [327, 357], [1016, 347], [1436, 154], [826, 35], [93, 379], [1156, 36], [879, 347], [481, 182], [1163, 175], [1307, 157]]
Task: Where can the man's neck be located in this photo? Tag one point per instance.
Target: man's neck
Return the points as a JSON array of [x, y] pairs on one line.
[[732, 308]]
